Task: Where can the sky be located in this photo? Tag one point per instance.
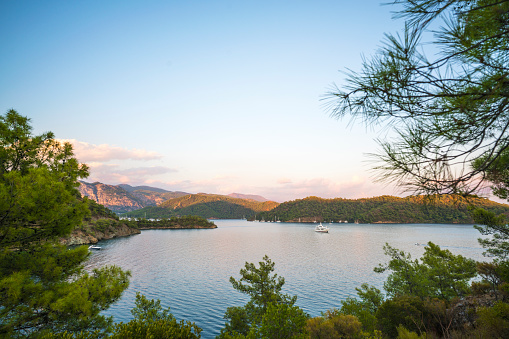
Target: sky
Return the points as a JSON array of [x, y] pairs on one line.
[[198, 96]]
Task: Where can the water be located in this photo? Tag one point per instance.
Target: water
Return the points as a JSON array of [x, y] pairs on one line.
[[189, 270]]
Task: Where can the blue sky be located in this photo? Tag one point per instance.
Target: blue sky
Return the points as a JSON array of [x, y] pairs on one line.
[[198, 96]]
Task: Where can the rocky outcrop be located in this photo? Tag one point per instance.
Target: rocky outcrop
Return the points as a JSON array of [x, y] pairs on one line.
[[113, 197], [125, 198], [90, 235]]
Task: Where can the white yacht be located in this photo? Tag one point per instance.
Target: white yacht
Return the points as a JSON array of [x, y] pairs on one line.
[[321, 228]]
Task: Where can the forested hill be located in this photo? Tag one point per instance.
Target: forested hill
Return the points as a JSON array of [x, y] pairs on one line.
[[384, 209], [206, 206]]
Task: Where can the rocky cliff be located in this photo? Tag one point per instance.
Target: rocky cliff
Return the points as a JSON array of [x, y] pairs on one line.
[[125, 198], [91, 235], [115, 198]]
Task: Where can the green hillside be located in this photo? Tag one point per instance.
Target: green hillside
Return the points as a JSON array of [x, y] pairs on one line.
[[384, 209], [206, 206]]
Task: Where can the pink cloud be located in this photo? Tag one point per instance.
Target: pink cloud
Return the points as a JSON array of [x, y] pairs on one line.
[[352, 188], [111, 174], [284, 190], [86, 152]]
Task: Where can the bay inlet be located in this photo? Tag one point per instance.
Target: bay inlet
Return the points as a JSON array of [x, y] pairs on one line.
[[188, 270]]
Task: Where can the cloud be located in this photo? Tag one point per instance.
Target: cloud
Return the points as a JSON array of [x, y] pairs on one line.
[[112, 174], [284, 190], [354, 188], [86, 152], [216, 185], [147, 171], [284, 181]]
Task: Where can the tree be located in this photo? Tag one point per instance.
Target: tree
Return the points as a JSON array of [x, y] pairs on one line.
[[364, 308], [268, 310], [152, 321], [495, 225], [447, 111], [497, 174], [449, 275], [403, 310], [408, 276], [440, 274], [281, 321], [334, 325], [43, 286]]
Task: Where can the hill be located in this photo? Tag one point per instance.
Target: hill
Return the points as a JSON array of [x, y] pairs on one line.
[[248, 197], [384, 209], [101, 224], [206, 206], [124, 198], [130, 188]]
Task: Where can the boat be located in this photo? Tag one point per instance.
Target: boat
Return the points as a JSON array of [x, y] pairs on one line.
[[93, 247], [322, 229]]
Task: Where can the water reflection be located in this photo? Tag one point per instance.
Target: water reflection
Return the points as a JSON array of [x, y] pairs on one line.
[[189, 269]]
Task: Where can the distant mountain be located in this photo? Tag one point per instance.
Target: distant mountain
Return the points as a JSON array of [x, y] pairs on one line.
[[124, 198], [205, 205], [130, 188], [384, 209], [152, 198], [248, 197], [115, 198]]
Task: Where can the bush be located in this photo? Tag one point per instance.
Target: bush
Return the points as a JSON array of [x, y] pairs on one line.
[[493, 322], [334, 326]]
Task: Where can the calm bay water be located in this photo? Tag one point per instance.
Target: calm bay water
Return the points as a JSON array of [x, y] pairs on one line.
[[188, 270]]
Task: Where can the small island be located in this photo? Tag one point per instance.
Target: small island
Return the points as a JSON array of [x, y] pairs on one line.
[[184, 222], [103, 224]]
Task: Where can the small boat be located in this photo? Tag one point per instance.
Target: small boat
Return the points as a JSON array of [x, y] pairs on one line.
[[93, 247], [322, 229]]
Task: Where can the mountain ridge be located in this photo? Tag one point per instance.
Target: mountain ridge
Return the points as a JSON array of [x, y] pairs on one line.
[[125, 198], [205, 205]]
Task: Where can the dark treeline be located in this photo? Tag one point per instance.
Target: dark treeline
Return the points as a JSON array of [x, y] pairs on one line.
[[204, 205], [384, 209], [188, 221], [214, 209]]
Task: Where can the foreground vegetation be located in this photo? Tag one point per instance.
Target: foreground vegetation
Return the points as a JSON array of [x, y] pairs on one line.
[[46, 293], [450, 110]]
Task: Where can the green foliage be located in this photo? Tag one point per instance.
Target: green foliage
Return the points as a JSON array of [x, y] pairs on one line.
[[403, 333], [495, 225], [445, 111], [413, 209], [261, 286], [448, 274], [268, 312], [441, 274], [497, 173], [99, 211], [43, 287], [103, 224], [151, 321], [364, 308], [281, 321], [204, 205], [493, 322], [38, 296], [402, 310], [188, 221], [334, 326]]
